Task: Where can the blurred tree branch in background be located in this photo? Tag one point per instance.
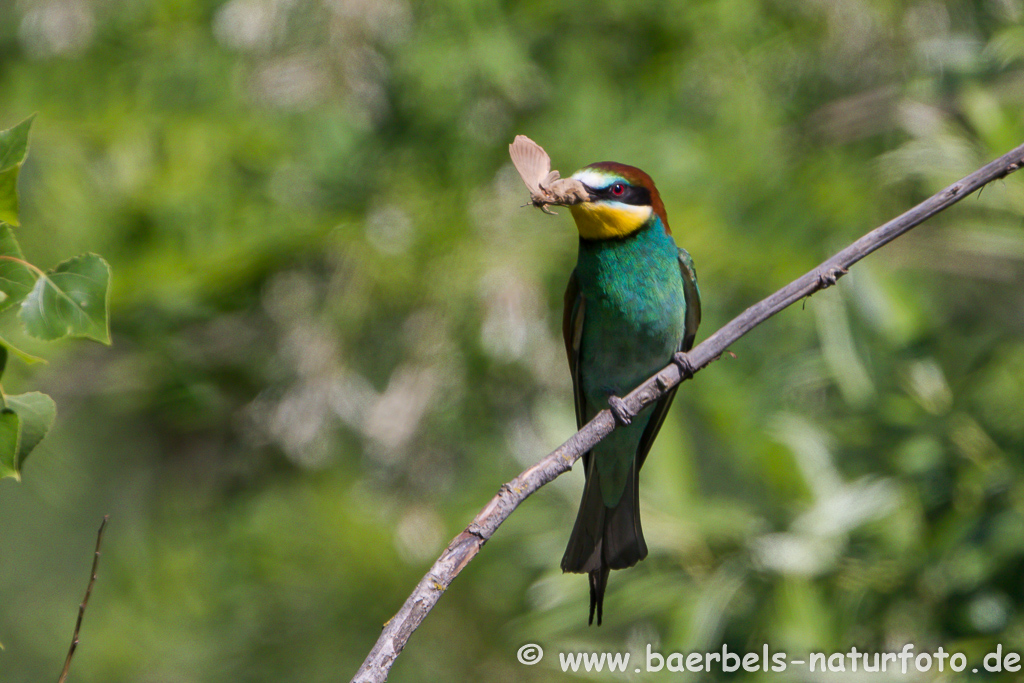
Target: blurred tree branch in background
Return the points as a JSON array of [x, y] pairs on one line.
[[467, 544], [85, 601]]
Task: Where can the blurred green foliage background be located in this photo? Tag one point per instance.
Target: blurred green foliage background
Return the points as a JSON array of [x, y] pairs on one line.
[[336, 331]]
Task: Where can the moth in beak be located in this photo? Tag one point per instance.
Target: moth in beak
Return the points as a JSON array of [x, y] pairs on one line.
[[546, 187]]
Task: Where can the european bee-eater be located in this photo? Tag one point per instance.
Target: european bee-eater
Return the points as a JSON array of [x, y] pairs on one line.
[[632, 303]]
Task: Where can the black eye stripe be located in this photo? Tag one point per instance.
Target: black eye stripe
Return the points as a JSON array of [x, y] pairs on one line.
[[632, 194]]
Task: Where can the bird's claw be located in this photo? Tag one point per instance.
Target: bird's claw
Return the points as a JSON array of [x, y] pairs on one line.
[[682, 361], [619, 409]]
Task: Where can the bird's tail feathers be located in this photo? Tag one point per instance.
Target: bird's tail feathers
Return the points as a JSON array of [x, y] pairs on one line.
[[605, 538], [598, 583]]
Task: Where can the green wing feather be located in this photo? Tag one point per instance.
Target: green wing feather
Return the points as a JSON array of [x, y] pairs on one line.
[[572, 333], [691, 292]]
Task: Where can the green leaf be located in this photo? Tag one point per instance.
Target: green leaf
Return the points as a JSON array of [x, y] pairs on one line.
[[13, 149], [37, 412], [23, 424], [70, 299], [10, 430], [9, 196], [14, 144], [16, 277], [25, 356]]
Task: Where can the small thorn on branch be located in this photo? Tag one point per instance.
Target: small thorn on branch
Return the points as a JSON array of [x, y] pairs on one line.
[[829, 277], [1010, 168], [726, 352]]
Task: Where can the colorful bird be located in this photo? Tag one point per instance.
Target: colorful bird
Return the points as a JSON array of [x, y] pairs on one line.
[[631, 305]]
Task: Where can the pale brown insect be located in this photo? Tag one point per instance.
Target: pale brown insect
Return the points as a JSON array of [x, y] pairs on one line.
[[546, 186]]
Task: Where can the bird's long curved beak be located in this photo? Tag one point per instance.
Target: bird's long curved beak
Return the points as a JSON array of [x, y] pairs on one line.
[[591, 193], [568, 191]]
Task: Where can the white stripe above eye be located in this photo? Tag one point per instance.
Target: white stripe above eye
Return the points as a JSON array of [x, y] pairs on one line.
[[595, 179]]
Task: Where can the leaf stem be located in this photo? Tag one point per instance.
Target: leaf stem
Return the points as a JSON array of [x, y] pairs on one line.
[[38, 271]]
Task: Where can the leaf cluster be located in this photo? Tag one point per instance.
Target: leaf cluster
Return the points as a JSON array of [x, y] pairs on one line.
[[68, 300]]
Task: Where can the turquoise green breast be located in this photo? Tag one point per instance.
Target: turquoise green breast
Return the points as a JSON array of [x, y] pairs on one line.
[[635, 310], [633, 322]]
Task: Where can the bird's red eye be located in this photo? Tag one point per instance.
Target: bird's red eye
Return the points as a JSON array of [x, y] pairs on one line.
[[618, 189]]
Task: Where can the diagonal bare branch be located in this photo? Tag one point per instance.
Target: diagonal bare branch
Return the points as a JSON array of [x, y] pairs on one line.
[[85, 601], [467, 544]]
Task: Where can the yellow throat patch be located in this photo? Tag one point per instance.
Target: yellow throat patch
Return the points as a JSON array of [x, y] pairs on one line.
[[601, 221]]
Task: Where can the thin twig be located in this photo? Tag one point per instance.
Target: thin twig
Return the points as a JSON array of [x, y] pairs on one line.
[[85, 602], [467, 544]]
